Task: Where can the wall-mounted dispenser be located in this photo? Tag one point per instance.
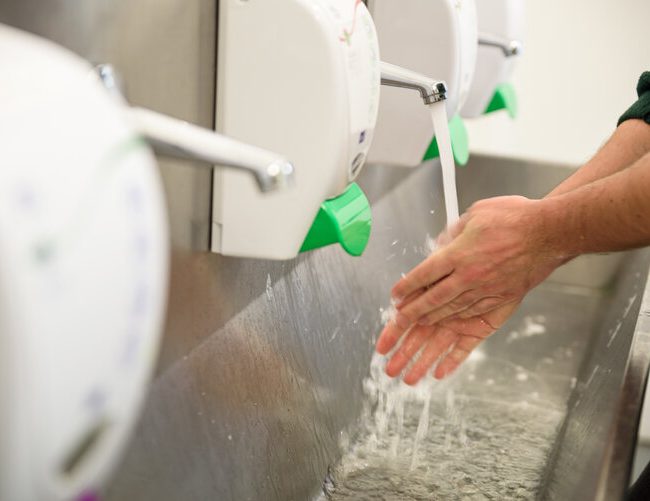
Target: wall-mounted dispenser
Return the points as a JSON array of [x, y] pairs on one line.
[[501, 31], [83, 263], [300, 77], [83, 273], [436, 38]]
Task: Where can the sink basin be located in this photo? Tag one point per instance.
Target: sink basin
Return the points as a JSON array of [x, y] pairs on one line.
[[539, 413], [267, 394]]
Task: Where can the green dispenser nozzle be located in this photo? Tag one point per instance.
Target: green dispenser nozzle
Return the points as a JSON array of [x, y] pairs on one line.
[[345, 219], [459, 142], [505, 98]]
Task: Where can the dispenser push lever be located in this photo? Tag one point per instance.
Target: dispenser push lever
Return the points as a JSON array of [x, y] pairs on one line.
[[430, 90]]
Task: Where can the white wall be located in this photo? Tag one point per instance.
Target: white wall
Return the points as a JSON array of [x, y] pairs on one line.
[[578, 74]]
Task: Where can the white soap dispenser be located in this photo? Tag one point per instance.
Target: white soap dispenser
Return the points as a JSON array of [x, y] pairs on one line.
[[83, 262], [433, 37], [501, 35], [300, 77], [83, 273]]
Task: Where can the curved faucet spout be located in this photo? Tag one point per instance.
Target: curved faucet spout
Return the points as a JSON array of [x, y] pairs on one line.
[[509, 48], [173, 137], [431, 91], [176, 138]]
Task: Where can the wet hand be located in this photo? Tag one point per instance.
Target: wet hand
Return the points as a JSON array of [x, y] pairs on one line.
[[466, 289], [448, 343], [496, 253]]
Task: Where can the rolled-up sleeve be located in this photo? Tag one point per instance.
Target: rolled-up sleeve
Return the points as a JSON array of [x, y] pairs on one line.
[[641, 109]]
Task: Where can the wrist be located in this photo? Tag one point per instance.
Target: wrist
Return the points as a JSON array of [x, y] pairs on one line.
[[635, 138], [551, 224]]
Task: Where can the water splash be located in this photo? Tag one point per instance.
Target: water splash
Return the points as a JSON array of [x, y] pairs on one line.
[[450, 439]]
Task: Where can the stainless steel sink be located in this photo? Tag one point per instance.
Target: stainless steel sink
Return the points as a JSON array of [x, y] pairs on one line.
[[254, 406]]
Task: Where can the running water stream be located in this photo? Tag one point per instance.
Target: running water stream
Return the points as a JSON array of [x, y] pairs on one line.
[[441, 128]]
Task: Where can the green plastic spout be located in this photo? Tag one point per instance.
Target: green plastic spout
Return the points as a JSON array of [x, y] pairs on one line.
[[346, 219], [459, 142], [505, 98]]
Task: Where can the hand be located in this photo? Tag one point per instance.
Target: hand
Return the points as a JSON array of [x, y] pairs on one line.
[[468, 288], [497, 252], [455, 337]]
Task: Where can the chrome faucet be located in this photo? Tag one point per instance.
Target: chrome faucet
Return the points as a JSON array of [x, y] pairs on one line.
[[430, 90], [179, 139], [509, 48], [175, 138]]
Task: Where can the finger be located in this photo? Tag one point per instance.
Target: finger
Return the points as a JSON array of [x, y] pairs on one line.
[[400, 323], [389, 337], [483, 306], [442, 294], [429, 271], [394, 330], [457, 356], [409, 348], [437, 345], [411, 297], [454, 307]]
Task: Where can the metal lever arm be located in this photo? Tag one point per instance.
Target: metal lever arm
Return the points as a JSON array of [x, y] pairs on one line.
[[176, 138], [173, 137]]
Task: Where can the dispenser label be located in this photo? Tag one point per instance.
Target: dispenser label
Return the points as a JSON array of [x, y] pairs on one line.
[[346, 36], [359, 41]]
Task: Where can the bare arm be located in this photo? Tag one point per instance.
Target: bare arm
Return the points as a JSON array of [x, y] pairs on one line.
[[507, 245], [612, 213], [630, 142]]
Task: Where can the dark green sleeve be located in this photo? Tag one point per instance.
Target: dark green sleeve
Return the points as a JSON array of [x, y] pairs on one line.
[[640, 109]]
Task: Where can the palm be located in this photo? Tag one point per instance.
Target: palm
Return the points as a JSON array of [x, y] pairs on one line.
[[449, 343]]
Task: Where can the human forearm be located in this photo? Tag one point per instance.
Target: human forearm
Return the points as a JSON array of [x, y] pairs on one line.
[[612, 213], [630, 142]]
